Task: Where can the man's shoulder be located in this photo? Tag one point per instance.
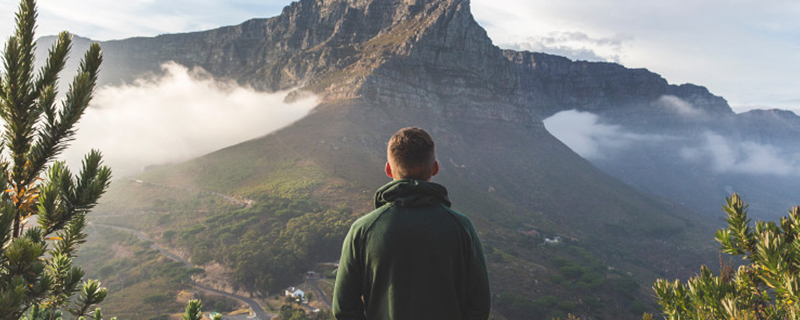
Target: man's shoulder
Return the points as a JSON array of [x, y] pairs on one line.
[[463, 219], [366, 221]]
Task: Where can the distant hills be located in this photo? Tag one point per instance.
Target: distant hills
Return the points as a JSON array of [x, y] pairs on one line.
[[379, 65]]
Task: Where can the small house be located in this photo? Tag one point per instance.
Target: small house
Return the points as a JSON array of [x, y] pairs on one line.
[[554, 240], [295, 293]]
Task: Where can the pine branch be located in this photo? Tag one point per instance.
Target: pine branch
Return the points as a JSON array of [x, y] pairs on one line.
[[91, 294], [51, 207], [57, 133], [21, 96], [93, 181], [56, 60], [72, 236], [194, 310]]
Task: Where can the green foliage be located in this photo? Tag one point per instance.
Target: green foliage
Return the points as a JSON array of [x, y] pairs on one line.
[[270, 244], [37, 313], [158, 301], [288, 312], [767, 287], [519, 307], [37, 275], [194, 310]]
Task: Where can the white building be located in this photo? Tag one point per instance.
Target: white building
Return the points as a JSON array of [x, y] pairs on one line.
[[295, 293]]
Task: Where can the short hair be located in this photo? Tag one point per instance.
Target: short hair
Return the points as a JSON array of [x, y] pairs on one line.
[[412, 154]]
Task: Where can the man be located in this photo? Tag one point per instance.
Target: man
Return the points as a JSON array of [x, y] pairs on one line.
[[413, 258]]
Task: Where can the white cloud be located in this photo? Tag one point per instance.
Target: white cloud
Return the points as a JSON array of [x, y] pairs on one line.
[[726, 156], [573, 45], [107, 20], [584, 133], [743, 50], [180, 115], [679, 106]]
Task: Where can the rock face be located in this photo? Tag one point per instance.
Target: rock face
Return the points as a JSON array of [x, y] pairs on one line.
[[553, 83], [424, 53]]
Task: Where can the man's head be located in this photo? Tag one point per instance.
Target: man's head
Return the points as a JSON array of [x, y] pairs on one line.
[[411, 155]]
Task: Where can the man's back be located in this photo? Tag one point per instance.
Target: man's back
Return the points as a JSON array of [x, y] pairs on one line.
[[412, 258]]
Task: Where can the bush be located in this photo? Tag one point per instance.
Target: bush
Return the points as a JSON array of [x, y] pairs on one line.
[[768, 287], [572, 272]]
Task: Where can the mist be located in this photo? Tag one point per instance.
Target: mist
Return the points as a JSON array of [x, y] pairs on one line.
[[746, 157], [174, 117], [679, 106], [588, 136]]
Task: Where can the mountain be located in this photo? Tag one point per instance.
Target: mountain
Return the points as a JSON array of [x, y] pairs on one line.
[[679, 141], [379, 65], [392, 51]]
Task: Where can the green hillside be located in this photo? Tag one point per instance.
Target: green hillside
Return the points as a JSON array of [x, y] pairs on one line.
[[518, 184]]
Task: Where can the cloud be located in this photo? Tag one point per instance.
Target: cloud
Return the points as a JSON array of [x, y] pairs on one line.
[[175, 117], [726, 156], [588, 136], [679, 106], [744, 51], [106, 20], [573, 45], [584, 133]]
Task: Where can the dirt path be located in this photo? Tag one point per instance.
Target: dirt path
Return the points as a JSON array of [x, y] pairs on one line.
[[247, 203], [260, 313], [321, 294]]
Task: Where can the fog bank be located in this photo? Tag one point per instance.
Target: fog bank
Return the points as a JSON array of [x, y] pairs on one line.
[[175, 117], [588, 136]]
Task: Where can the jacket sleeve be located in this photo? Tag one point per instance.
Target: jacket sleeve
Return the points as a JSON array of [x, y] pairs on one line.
[[347, 293], [479, 299]]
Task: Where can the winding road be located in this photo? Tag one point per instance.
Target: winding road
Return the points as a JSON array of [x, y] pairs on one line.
[[321, 294], [260, 313], [244, 202]]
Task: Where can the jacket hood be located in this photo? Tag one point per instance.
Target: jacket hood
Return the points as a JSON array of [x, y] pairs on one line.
[[411, 193]]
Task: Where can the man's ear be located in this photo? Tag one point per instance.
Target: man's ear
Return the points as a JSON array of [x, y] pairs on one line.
[[389, 171], [435, 168]]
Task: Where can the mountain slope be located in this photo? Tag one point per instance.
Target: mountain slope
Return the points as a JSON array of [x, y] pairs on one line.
[[687, 143], [381, 65]]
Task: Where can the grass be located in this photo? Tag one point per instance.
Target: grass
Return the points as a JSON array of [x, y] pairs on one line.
[[132, 272]]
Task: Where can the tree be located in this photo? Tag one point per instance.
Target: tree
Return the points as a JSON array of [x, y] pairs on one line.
[[766, 287], [37, 276], [157, 301], [194, 311]]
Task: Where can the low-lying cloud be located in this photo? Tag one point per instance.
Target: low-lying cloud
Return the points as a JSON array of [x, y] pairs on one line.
[[584, 133], [679, 106], [180, 115], [746, 157], [588, 136]]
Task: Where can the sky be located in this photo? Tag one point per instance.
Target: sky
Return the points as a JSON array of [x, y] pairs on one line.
[[746, 51]]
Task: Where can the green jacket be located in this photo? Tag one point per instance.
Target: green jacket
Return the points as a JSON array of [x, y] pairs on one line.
[[413, 258]]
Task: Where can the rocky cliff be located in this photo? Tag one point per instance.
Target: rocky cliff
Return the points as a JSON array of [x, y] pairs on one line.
[[553, 83], [417, 53]]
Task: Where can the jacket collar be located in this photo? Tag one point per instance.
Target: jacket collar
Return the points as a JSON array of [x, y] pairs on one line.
[[411, 193]]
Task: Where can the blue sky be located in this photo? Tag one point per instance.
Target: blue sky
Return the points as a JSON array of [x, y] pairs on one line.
[[746, 51]]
